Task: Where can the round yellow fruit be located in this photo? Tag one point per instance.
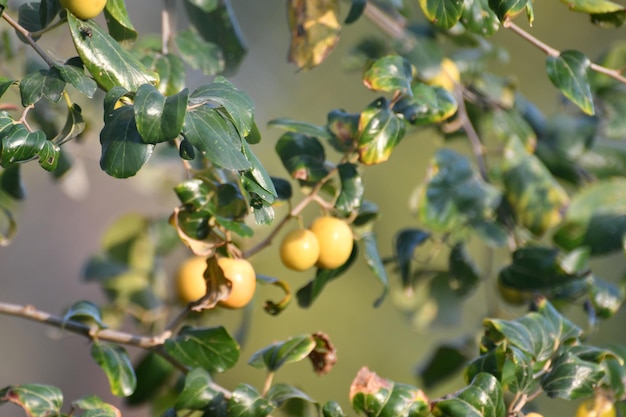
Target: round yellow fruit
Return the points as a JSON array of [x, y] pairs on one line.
[[533, 415], [242, 279], [190, 284], [447, 77], [600, 406], [84, 9], [335, 240], [299, 250]]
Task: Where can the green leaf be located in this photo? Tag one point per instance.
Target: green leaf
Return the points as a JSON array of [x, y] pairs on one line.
[[406, 241], [171, 71], [374, 396], [95, 407], [30, 19], [215, 137], [610, 20], [279, 393], [308, 293], [11, 182], [571, 377], [107, 62], [48, 11], [220, 26], [236, 102], [198, 391], [19, 144], [153, 372], [454, 194], [158, 118], [508, 9], [427, 105], [205, 5], [390, 74], [343, 128], [246, 402], [115, 363], [593, 6], [493, 234], [302, 128], [606, 298], [445, 361], [352, 189], [119, 24], [357, 7], [466, 276], [302, 156], [478, 18], [263, 185], [37, 400], [568, 73], [123, 150], [198, 53], [274, 356], [380, 131], [375, 263], [9, 226], [482, 398], [43, 83], [536, 197], [74, 126], [85, 312], [596, 218], [211, 349], [443, 13], [75, 75], [332, 409]]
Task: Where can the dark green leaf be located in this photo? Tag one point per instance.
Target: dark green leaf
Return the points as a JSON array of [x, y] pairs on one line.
[[308, 293], [406, 241], [478, 18], [492, 233], [48, 11], [508, 9], [571, 377], [19, 144], [610, 20], [463, 270], [302, 156], [85, 311], [446, 361], [380, 131], [302, 128], [29, 18], [212, 349], [257, 179], [198, 391], [482, 398], [568, 72], [43, 83], [279, 393], [332, 409], [11, 182], [274, 356], [119, 24], [356, 10], [215, 137], [205, 5], [246, 402], [372, 257], [390, 74], [5, 83], [105, 59], [36, 400], [123, 150], [427, 105], [95, 407], [593, 6], [74, 126], [77, 78], [198, 53], [443, 13], [115, 363], [153, 372], [344, 129], [352, 189], [158, 118]]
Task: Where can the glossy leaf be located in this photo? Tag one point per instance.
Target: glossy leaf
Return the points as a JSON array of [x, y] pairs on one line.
[[236, 102], [536, 197], [29, 18], [332, 409], [426, 105], [380, 131], [198, 53], [454, 194], [85, 311], [215, 137], [478, 18], [443, 13], [35, 399], [198, 391], [307, 294], [372, 396], [39, 84], [276, 355], [116, 364], [123, 150], [596, 217], [158, 118], [211, 349], [95, 407], [406, 241], [107, 62], [571, 377], [508, 9], [263, 185], [75, 75], [19, 144], [390, 74], [314, 28], [302, 128], [152, 372], [568, 72], [302, 156], [119, 24], [220, 27], [375, 263], [246, 402], [482, 398], [279, 393]]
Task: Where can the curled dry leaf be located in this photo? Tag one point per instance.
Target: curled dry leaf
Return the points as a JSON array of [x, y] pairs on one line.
[[324, 356]]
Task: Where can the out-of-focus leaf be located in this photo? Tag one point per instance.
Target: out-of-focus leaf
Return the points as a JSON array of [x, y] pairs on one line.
[[568, 72], [593, 6], [198, 391], [85, 311], [611, 20], [406, 241], [171, 70], [95, 407], [34, 399], [302, 156], [344, 129], [246, 402], [116, 364], [390, 74], [375, 263], [374, 396], [463, 270], [606, 298], [119, 24], [478, 18], [332, 409], [483, 397], [445, 361], [279, 393], [274, 356], [427, 105], [315, 30], [508, 9], [571, 377], [152, 374], [302, 128], [212, 349], [11, 182], [198, 53], [444, 13], [380, 131], [356, 10]]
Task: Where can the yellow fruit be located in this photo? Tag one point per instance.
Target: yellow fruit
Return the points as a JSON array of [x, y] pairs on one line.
[[299, 250], [600, 406], [84, 9], [190, 285], [242, 277], [533, 415], [335, 240], [447, 76]]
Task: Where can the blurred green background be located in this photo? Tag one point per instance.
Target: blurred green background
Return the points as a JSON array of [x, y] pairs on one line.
[[59, 230]]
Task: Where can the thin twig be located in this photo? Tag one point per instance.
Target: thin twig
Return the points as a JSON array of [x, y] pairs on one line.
[[477, 146], [167, 25], [27, 35]]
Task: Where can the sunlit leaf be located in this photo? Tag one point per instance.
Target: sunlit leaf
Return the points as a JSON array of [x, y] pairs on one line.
[[197, 392], [443, 13], [568, 72], [212, 349], [392, 73], [276, 355], [483, 397], [571, 377], [119, 24], [116, 364], [508, 9], [247, 402], [380, 131], [427, 105]]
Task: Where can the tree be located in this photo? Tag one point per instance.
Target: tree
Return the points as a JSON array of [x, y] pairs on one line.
[[545, 191]]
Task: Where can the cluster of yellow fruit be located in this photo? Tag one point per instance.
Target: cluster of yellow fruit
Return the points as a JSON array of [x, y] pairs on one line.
[[326, 244], [191, 286], [84, 9]]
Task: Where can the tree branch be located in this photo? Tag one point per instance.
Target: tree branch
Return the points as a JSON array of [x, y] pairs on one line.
[[27, 35]]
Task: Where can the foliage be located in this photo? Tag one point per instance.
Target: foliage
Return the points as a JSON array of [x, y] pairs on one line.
[[548, 191]]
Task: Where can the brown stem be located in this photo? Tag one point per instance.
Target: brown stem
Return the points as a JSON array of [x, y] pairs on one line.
[[477, 147]]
